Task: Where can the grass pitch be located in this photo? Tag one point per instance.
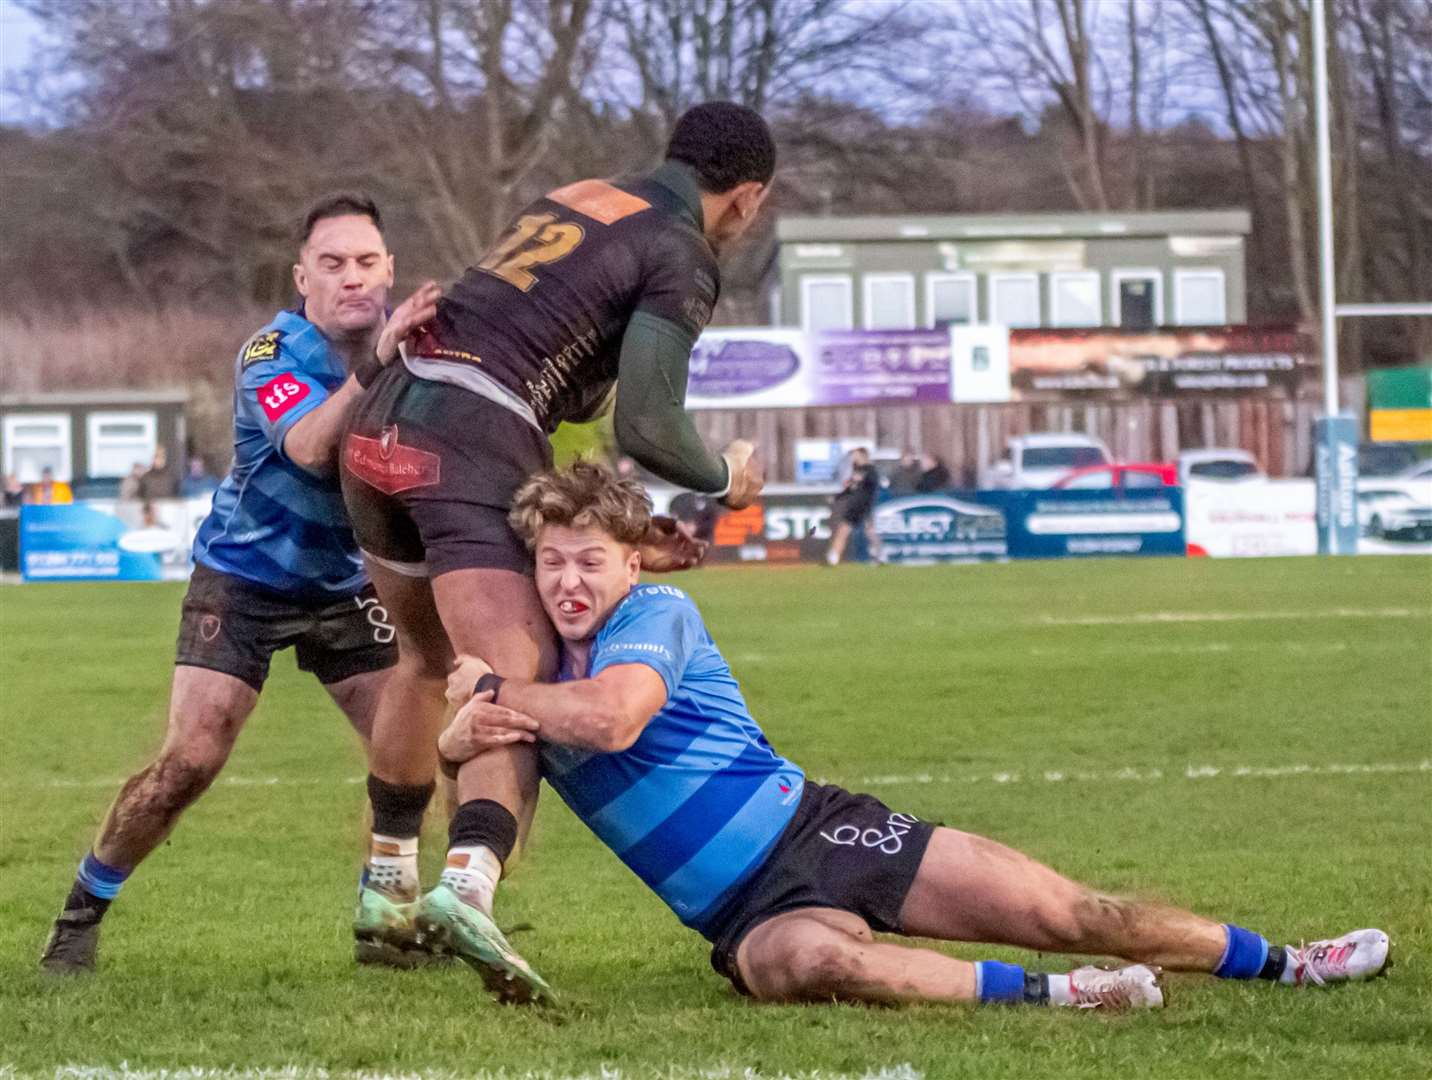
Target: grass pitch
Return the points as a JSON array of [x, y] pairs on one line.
[[1248, 738]]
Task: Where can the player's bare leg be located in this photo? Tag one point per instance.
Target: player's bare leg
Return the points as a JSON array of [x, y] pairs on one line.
[[207, 709], [358, 696], [821, 954], [970, 888], [838, 541], [494, 615]]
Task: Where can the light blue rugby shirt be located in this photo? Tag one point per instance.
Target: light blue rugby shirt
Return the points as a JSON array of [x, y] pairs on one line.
[[273, 523], [695, 805]]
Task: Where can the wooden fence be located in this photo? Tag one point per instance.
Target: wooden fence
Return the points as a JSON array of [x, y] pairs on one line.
[[1278, 431]]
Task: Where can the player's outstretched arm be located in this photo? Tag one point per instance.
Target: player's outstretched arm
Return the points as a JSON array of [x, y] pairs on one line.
[[607, 713], [312, 443], [653, 427]]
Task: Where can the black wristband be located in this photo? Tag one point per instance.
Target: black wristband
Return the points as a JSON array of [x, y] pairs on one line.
[[367, 369], [491, 682]]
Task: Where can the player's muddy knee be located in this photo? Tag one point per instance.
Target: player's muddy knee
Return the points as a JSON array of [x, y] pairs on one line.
[[828, 969]]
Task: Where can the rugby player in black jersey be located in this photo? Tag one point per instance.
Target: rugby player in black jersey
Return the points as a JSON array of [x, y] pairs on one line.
[[596, 293]]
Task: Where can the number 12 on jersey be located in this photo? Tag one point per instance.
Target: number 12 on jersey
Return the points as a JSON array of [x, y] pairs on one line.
[[536, 239]]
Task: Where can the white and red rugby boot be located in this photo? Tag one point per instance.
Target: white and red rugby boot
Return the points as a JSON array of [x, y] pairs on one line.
[[1139, 986], [1361, 954]]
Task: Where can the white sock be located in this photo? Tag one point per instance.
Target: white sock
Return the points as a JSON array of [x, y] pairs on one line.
[[1061, 990], [393, 865], [473, 873]]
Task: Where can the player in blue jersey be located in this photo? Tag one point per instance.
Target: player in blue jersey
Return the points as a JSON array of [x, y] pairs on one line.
[[276, 564], [649, 741]]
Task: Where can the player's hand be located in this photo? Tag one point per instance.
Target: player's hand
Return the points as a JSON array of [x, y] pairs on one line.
[[748, 474], [670, 545], [480, 725], [464, 677], [407, 319]]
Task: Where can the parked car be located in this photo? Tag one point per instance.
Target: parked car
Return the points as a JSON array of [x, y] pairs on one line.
[[1125, 476], [1037, 461], [1218, 463], [1395, 513]]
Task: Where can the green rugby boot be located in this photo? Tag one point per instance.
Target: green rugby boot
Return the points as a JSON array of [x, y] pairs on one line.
[[384, 933], [445, 922]]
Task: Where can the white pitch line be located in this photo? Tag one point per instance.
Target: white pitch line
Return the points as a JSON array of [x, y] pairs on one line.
[[1009, 776], [1158, 617], [123, 1071], [1147, 775]]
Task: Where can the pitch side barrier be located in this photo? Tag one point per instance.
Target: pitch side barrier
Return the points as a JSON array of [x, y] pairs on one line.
[[110, 539]]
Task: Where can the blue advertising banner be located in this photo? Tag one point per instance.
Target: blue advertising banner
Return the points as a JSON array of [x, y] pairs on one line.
[[108, 540], [1335, 465], [937, 527], [1056, 524]]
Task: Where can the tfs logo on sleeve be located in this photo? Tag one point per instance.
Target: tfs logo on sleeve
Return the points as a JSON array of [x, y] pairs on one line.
[[280, 394]]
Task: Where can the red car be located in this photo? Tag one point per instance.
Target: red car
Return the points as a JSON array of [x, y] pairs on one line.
[[1126, 476]]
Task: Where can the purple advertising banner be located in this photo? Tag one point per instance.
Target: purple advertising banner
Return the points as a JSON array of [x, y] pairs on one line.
[[858, 367]]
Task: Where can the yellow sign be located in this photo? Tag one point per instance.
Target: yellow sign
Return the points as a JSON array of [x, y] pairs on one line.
[[1401, 425]]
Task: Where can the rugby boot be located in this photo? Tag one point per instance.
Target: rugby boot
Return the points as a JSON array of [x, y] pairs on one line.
[[1361, 954], [384, 932], [1139, 986], [73, 943], [446, 923]]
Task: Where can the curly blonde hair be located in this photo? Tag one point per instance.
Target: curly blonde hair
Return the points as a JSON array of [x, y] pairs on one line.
[[583, 494]]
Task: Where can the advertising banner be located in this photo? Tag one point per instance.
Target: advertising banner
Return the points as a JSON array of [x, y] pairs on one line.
[[1157, 363], [785, 368], [1335, 467], [939, 528], [1279, 517], [110, 540], [1053, 524]]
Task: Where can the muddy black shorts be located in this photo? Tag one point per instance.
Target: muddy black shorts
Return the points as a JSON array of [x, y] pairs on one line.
[[843, 851], [429, 471], [231, 625]]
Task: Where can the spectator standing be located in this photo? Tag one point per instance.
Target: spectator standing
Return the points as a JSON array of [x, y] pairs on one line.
[[907, 474], [197, 480], [49, 491], [14, 490], [854, 507], [159, 482], [129, 486], [934, 474]]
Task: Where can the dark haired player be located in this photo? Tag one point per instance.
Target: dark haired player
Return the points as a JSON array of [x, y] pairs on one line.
[[597, 291], [276, 564]]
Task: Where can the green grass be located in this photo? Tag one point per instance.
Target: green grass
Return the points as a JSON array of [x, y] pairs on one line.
[[230, 947]]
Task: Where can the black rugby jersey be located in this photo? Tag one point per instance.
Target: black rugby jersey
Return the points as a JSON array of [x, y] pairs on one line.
[[544, 313]]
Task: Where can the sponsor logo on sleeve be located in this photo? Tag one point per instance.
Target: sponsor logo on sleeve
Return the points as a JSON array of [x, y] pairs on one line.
[[280, 394], [262, 347]]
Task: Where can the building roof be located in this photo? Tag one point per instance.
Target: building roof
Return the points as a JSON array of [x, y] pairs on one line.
[[1011, 226], [167, 395]]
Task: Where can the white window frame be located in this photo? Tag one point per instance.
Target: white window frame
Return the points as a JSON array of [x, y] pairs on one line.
[[1119, 276], [994, 312], [1182, 276], [65, 423], [867, 289], [941, 278], [808, 280], [1056, 317], [148, 419], [773, 304]]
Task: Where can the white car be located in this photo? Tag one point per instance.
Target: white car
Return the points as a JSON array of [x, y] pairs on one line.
[[1037, 461], [1218, 463], [1401, 512]]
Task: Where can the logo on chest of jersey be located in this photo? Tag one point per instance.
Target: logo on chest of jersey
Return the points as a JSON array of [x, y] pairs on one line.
[[280, 394], [388, 465]]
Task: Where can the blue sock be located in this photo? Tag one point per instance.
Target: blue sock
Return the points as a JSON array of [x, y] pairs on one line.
[[999, 983], [1244, 956], [99, 879]]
